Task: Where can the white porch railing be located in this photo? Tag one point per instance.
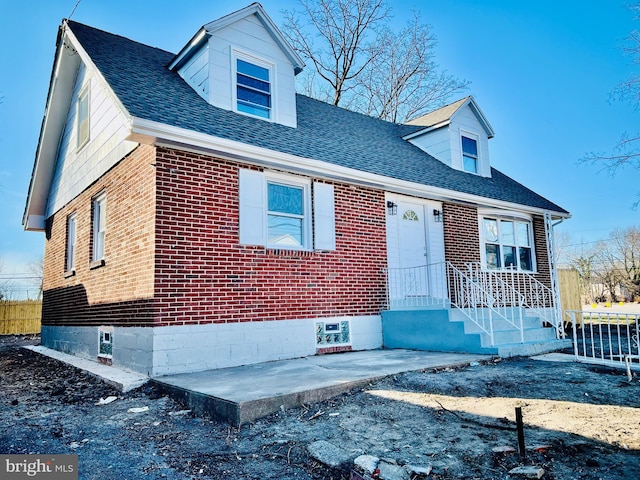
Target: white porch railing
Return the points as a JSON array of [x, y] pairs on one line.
[[417, 287], [482, 296], [522, 291], [606, 338]]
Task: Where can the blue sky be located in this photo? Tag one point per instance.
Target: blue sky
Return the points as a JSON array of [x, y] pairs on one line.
[[541, 71]]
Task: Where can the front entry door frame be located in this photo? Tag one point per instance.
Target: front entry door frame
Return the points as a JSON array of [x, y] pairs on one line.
[[415, 238]]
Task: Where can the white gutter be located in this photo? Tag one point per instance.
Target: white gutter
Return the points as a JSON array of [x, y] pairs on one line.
[[160, 134]]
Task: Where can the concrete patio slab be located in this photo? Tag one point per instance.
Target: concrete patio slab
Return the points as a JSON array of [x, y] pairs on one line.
[[243, 394], [123, 380]]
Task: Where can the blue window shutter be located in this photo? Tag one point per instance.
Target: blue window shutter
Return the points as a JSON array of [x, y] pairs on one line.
[[324, 217], [252, 207]]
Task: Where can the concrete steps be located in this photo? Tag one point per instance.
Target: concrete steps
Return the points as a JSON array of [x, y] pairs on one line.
[[451, 331]]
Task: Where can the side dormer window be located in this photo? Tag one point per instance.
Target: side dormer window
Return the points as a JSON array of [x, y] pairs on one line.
[[82, 118], [469, 154], [253, 88]]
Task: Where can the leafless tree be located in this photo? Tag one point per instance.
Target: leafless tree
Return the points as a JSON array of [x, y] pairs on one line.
[[36, 267], [344, 30], [608, 272], [404, 81], [627, 246], [627, 150], [365, 65]]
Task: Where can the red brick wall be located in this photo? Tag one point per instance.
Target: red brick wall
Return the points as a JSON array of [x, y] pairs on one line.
[[203, 275], [121, 291], [461, 237]]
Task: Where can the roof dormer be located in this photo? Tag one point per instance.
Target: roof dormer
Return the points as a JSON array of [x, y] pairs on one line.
[[457, 134], [242, 62]]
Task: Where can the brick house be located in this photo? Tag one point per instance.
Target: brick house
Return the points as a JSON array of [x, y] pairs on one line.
[[200, 214]]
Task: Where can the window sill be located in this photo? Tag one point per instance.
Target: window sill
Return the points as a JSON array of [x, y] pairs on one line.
[[69, 273], [97, 264]]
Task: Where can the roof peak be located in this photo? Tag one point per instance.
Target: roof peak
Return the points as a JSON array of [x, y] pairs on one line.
[[443, 115]]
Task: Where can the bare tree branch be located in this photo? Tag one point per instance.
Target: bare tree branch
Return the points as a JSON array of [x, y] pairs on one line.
[[345, 30], [627, 150]]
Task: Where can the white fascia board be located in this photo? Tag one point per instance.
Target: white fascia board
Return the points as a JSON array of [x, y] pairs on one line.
[[63, 76], [200, 38], [62, 83], [427, 130], [475, 108], [274, 31], [162, 135]]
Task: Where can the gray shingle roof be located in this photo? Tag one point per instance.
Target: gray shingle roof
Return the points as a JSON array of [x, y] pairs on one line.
[[138, 75]]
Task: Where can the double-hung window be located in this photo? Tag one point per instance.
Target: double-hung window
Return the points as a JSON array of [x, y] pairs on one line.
[[469, 154], [286, 212], [82, 118], [253, 88], [70, 254], [285, 215], [99, 227], [508, 243]]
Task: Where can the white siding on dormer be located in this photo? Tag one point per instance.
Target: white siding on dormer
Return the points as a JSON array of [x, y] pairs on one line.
[[248, 36], [75, 168], [436, 143], [464, 120], [196, 72]]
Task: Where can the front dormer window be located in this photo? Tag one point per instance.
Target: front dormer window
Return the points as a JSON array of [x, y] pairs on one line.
[[253, 89], [469, 154]]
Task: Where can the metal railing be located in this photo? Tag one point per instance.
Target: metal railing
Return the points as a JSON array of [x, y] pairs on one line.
[[521, 290], [417, 287], [469, 298], [481, 295], [606, 338]]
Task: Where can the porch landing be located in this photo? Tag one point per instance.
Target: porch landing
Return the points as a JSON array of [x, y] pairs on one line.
[[246, 393]]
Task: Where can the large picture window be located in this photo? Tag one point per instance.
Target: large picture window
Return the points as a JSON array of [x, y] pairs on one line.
[[508, 243]]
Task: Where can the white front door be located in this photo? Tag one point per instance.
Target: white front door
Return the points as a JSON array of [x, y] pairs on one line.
[[412, 250], [415, 247], [412, 241]]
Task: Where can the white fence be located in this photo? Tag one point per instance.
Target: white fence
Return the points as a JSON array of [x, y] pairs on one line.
[[606, 338]]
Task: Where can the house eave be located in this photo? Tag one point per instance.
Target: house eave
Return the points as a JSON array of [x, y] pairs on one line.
[[199, 39], [162, 135], [425, 130], [61, 86]]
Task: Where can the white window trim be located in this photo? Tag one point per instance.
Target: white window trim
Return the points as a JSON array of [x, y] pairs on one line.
[[98, 229], [80, 144], [319, 225], [70, 253], [292, 181], [511, 216], [236, 54], [472, 136]]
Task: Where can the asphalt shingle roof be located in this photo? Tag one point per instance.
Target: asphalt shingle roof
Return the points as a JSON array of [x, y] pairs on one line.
[[139, 77]]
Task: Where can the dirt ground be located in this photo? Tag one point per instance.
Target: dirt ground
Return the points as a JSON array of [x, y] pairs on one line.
[[581, 422]]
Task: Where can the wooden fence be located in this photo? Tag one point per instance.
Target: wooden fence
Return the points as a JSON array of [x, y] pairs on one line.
[[20, 317], [569, 290]]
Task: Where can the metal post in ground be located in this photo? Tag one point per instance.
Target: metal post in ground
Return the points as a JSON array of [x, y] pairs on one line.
[[520, 428]]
